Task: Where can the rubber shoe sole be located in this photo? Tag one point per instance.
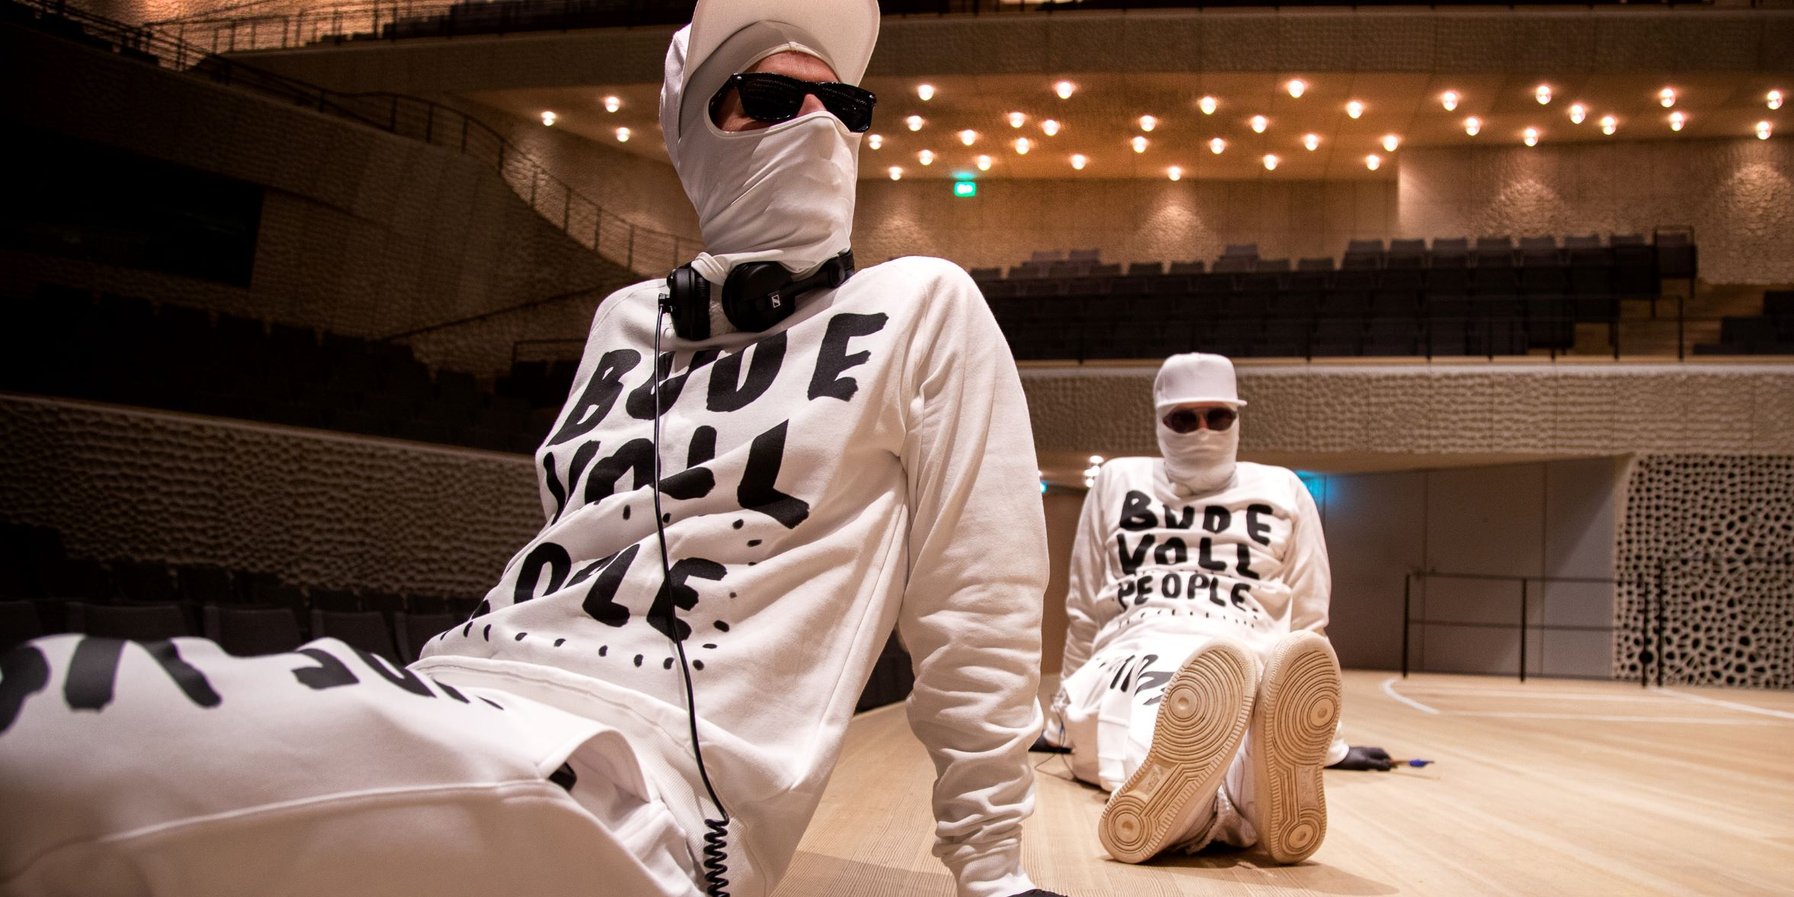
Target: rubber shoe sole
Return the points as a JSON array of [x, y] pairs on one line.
[[1202, 718], [1298, 709]]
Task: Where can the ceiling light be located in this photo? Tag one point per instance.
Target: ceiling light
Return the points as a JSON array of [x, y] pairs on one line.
[[1472, 125], [968, 137], [1064, 89], [1373, 161], [1217, 146], [612, 104], [1531, 137], [1543, 94], [1147, 123], [1079, 160], [1609, 124], [1677, 120], [1207, 105], [1667, 96], [622, 135], [548, 119], [926, 157], [1259, 123], [925, 92], [1578, 112], [1449, 100], [914, 122], [874, 141], [1354, 109], [1764, 130], [1049, 127], [1175, 173], [1096, 459], [1390, 142], [1296, 87], [1270, 162], [1016, 119], [1773, 99], [983, 163], [896, 172], [1138, 143], [1022, 145], [1311, 142]]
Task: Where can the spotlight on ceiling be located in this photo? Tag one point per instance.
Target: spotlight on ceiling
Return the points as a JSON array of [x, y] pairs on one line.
[[1473, 125], [925, 92], [914, 122], [1271, 162], [1175, 173], [1543, 94], [1531, 137], [1079, 160], [1217, 146], [1449, 100], [1259, 123], [1207, 105], [1373, 161], [1296, 87], [1064, 89], [1354, 109]]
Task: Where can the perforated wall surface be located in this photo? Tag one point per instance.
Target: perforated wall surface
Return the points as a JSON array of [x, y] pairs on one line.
[[1713, 537]]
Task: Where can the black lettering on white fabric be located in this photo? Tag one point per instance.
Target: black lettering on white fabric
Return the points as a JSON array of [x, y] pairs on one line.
[[727, 393], [93, 673], [595, 401], [23, 673], [546, 556], [675, 593], [832, 360], [601, 600], [757, 491]]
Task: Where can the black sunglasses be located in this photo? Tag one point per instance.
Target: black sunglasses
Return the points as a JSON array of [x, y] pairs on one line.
[[1189, 420], [775, 98]]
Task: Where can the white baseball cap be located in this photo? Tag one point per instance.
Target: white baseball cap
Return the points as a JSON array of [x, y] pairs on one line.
[[844, 30], [1193, 378]]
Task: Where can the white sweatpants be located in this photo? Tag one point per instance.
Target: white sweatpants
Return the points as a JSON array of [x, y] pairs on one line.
[[174, 769]]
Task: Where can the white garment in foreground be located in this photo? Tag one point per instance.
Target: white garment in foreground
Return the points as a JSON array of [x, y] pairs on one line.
[[1155, 574], [867, 462], [174, 769]]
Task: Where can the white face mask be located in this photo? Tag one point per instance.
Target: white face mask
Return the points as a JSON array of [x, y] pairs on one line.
[[783, 193], [1201, 461]]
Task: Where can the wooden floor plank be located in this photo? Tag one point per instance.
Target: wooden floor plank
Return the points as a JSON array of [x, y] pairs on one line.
[[1546, 787]]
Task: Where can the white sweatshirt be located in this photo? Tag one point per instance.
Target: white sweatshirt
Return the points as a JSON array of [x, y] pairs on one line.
[[867, 462], [1247, 560]]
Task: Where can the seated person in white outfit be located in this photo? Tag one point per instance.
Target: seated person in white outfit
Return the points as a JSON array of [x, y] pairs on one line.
[[842, 452], [1199, 686]]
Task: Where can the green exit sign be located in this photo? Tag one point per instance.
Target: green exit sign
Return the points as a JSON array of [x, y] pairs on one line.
[[965, 188]]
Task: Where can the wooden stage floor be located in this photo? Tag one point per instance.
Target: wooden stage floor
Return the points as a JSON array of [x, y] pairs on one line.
[[1544, 788]]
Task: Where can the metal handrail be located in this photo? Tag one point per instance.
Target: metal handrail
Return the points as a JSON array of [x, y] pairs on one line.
[[635, 247], [355, 20], [1408, 621]]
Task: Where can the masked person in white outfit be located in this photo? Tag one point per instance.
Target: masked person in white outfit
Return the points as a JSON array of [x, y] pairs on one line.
[[1199, 687], [742, 499]]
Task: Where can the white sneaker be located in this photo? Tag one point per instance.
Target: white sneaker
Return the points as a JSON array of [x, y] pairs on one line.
[[1292, 728], [1202, 718]]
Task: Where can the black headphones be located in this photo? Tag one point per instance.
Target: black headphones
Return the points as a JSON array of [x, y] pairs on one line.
[[756, 296]]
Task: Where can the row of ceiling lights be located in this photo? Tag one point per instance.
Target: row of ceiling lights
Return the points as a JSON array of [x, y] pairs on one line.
[[1296, 87]]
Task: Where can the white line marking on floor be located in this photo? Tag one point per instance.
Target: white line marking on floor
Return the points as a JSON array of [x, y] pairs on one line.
[[1389, 689], [1702, 699], [1698, 720]]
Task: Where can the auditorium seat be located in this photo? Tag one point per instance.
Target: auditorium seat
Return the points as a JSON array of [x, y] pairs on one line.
[[416, 628], [19, 623], [139, 622], [251, 631], [368, 630], [1137, 269]]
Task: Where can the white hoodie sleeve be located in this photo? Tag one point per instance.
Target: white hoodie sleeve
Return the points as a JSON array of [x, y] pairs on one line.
[[1085, 579], [977, 573], [1310, 577]]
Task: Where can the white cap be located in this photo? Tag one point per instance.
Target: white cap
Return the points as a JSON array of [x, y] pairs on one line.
[[1193, 378], [843, 30]]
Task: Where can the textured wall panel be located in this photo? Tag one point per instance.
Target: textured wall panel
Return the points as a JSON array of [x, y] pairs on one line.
[[1713, 538], [315, 508], [1520, 411]]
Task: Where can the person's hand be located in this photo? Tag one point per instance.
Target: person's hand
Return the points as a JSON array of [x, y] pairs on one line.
[[1364, 758]]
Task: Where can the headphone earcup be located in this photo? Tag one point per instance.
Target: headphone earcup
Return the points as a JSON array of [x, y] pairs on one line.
[[758, 295], [688, 302]]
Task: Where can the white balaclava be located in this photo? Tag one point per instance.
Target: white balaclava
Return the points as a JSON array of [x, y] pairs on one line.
[[1203, 461], [784, 193]]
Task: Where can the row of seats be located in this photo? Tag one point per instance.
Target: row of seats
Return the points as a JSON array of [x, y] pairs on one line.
[[1671, 254], [131, 351], [1770, 333], [44, 591]]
